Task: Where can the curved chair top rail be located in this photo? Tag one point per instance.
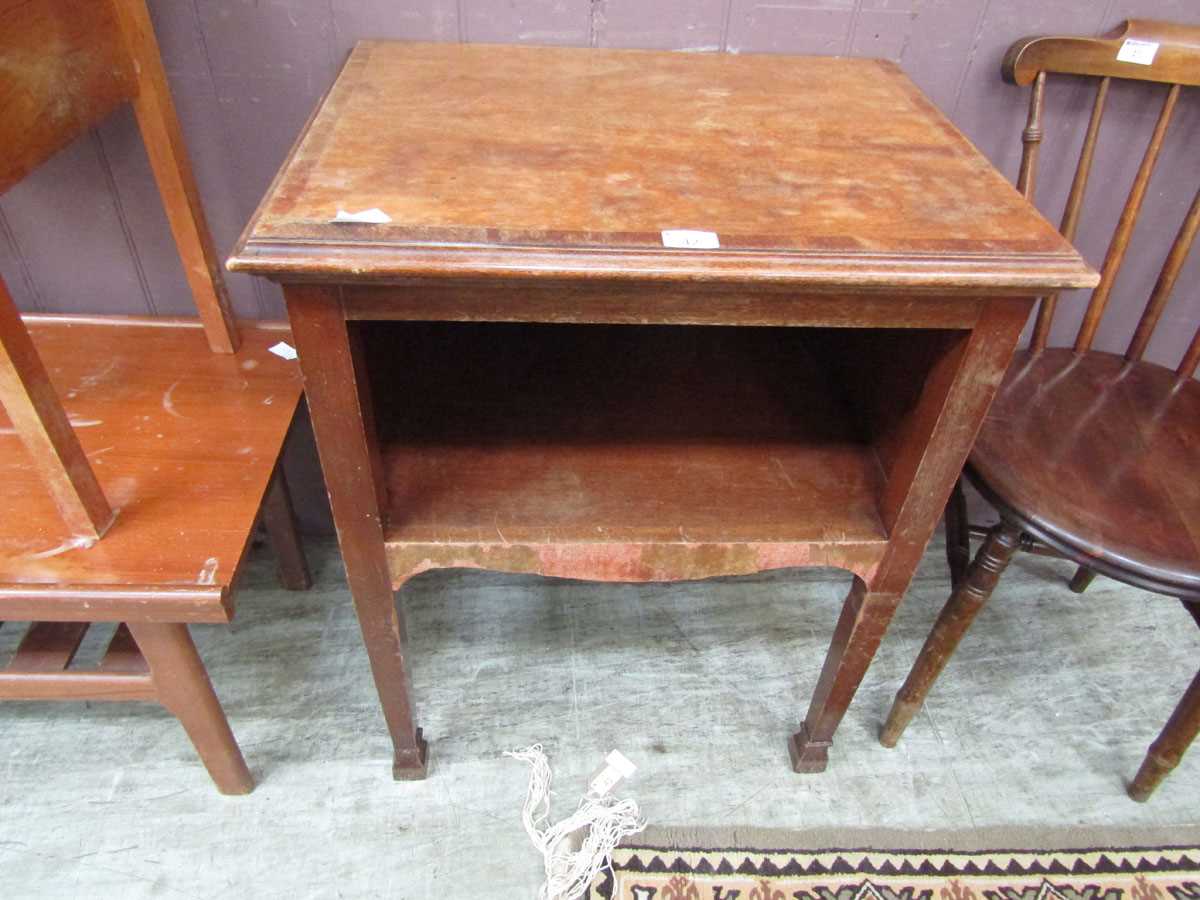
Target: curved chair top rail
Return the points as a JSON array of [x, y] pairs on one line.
[[1175, 59]]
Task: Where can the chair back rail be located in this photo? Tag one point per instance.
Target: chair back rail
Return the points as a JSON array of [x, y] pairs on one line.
[[1175, 63], [64, 67]]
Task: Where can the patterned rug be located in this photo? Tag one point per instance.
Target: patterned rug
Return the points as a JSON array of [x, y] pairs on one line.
[[669, 870]]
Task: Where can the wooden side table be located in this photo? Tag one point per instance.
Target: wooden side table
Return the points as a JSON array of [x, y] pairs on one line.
[[524, 368]]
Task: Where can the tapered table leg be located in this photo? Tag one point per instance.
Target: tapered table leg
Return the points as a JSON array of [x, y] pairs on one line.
[[920, 476], [340, 405]]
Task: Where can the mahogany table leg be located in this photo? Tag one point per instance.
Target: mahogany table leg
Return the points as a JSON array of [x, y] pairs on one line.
[[952, 623], [340, 405], [864, 619], [920, 476], [280, 522], [183, 687]]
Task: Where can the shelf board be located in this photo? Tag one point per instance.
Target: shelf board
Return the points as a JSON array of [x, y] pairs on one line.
[[182, 440], [588, 450]]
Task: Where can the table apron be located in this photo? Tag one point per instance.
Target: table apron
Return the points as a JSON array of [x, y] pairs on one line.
[[637, 304]]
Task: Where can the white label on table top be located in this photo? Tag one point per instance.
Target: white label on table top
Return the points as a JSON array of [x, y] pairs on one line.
[[372, 216], [284, 349], [1135, 51], [690, 240]]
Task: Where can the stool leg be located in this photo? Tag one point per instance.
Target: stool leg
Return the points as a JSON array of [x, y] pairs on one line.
[[280, 522], [956, 617], [1166, 752], [1082, 579], [183, 688]]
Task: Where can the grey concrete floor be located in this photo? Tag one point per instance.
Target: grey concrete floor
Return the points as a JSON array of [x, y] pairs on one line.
[[1044, 712]]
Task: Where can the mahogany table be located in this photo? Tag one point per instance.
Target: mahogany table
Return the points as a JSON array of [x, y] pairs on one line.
[[524, 369]]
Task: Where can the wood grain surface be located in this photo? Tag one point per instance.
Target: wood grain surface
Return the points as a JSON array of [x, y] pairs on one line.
[[183, 441], [550, 162], [1117, 480]]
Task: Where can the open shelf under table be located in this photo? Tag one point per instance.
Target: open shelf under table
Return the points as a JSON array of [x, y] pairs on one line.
[[617, 452]]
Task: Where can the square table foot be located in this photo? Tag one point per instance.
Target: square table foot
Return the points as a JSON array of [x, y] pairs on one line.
[[411, 764], [807, 755]]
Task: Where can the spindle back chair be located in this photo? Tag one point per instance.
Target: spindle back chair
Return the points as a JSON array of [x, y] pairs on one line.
[[167, 549], [1087, 455]]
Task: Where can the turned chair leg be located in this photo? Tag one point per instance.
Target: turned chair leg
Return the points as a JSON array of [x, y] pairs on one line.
[[1168, 749], [280, 522], [1082, 579], [184, 689], [958, 534], [952, 623]]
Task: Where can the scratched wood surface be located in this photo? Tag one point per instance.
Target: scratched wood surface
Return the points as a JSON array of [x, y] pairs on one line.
[[245, 77], [182, 440], [511, 160]]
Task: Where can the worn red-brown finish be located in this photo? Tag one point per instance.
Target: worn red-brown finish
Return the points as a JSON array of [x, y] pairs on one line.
[[66, 66], [37, 418], [171, 429], [551, 162], [134, 459], [515, 373], [1087, 455]]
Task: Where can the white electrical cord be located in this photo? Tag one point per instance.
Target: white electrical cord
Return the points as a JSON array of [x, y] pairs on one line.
[[570, 873]]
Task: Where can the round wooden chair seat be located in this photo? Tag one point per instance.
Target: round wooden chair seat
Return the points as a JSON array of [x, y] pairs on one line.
[[1099, 457]]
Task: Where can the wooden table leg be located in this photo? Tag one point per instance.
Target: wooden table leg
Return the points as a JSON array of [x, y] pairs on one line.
[[340, 405], [920, 476], [279, 519]]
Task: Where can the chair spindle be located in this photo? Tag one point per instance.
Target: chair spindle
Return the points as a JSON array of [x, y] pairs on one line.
[[1070, 220], [1166, 282], [1191, 359], [1031, 139], [1120, 239]]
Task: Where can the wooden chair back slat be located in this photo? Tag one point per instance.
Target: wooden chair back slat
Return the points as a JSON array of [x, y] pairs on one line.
[[1120, 240], [1166, 282], [63, 68], [1191, 358], [163, 137], [1070, 220]]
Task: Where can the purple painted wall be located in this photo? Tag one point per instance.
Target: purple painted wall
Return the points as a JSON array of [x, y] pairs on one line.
[[86, 232]]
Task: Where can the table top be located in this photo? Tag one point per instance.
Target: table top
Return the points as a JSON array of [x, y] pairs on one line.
[[551, 162]]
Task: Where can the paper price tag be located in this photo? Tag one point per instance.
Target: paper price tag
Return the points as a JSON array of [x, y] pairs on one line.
[[1139, 52], [690, 240], [372, 216], [284, 350], [616, 766]]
